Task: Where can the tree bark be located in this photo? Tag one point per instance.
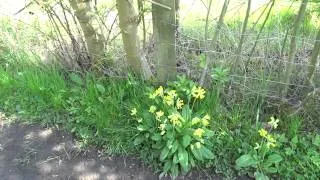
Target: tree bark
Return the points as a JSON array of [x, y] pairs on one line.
[[243, 32], [94, 40], [313, 59], [128, 22], [293, 46], [164, 28]]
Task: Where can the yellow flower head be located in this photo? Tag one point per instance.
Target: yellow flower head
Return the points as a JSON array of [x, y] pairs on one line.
[[175, 119], [195, 120], [172, 93], [205, 120], [152, 109], [270, 138], [168, 100], [273, 122], [263, 132], [198, 92], [179, 103], [270, 144], [198, 133], [159, 114], [159, 91], [133, 111]]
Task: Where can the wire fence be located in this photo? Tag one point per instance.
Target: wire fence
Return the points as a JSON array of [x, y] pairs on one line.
[[260, 73]]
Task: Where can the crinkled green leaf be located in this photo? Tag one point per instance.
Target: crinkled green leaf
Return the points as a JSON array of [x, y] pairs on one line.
[[183, 158], [164, 153], [138, 140], [186, 139], [156, 137], [246, 161]]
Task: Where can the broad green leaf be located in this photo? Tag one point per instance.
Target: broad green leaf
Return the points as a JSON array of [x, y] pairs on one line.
[[167, 166], [197, 154], [169, 143], [156, 137], [260, 176], [76, 78], [183, 158], [206, 153], [175, 146], [246, 161], [164, 153], [100, 88], [175, 158], [272, 159], [186, 139], [271, 170], [174, 170], [138, 140]]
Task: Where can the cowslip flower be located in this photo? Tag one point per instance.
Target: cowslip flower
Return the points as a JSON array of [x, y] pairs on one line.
[[172, 93], [152, 109], [159, 91], [133, 111], [270, 144], [198, 92], [205, 120], [263, 132], [159, 114], [195, 120], [179, 103], [168, 100], [198, 133], [273, 122], [175, 119]]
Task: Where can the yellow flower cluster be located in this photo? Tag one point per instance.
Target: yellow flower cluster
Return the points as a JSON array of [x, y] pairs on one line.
[[198, 133], [204, 121], [198, 92], [152, 109], [179, 103], [175, 119], [271, 141], [159, 114]]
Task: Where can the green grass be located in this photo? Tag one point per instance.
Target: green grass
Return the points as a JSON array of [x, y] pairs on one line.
[[97, 108]]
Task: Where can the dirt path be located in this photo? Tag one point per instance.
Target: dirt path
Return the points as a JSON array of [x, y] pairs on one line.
[[31, 152]]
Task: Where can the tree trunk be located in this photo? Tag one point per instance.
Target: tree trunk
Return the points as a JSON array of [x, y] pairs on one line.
[[293, 46], [94, 40], [313, 59], [128, 22], [164, 26], [243, 32]]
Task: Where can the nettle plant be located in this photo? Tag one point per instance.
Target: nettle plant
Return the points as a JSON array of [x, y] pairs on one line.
[[173, 132], [263, 157]]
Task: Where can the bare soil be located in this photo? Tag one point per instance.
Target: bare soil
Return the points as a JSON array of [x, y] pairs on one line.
[[32, 152]]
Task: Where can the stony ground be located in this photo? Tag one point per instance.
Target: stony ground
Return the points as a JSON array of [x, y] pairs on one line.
[[32, 152]]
